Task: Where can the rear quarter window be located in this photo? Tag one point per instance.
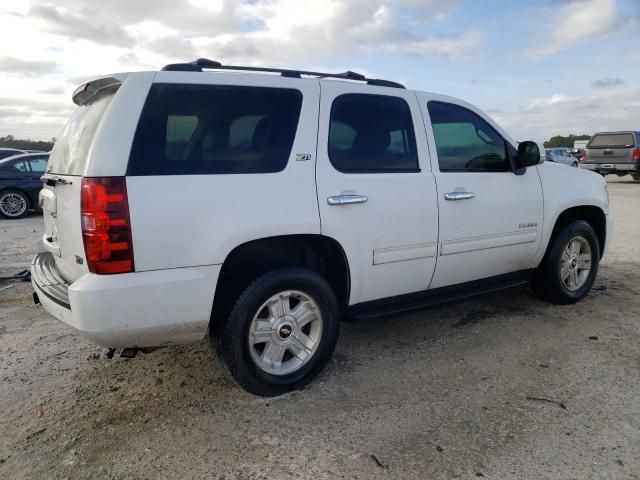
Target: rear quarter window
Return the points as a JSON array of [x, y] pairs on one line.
[[215, 129]]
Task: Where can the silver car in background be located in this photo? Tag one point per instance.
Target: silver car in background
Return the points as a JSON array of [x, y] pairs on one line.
[[561, 155]]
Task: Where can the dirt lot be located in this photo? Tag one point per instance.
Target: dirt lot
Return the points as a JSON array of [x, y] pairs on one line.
[[437, 394]]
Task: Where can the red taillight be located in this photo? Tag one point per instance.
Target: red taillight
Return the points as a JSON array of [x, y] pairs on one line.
[[106, 227], [636, 153], [583, 155]]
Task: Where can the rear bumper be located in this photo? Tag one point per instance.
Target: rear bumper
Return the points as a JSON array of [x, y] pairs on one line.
[[611, 167], [49, 282], [141, 309]]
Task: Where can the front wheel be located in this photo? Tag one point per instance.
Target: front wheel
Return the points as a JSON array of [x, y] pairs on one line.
[[280, 333], [570, 265], [574, 164]]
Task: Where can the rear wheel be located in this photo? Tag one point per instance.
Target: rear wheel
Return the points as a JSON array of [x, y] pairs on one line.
[[574, 164], [280, 333], [636, 176], [13, 204], [570, 265]]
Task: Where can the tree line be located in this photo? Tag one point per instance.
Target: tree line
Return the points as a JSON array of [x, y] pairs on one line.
[[561, 141], [11, 142]]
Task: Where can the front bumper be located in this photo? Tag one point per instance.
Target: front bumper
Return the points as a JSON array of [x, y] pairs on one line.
[[141, 309]]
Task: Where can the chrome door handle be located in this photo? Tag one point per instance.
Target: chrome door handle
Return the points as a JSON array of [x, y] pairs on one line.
[[346, 199], [459, 195]]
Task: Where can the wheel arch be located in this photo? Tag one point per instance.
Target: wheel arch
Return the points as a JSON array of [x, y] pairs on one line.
[[591, 214], [247, 261]]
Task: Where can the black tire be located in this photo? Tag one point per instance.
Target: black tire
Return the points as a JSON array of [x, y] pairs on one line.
[[231, 343], [636, 176], [24, 197], [547, 282], [574, 164]]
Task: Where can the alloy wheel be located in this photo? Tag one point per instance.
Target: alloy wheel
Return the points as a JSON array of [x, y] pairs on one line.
[[575, 264], [285, 332], [12, 204]]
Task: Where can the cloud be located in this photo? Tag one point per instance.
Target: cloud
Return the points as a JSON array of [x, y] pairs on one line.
[[32, 118], [603, 109], [37, 107], [294, 30], [26, 68], [54, 90], [608, 83], [261, 30], [106, 22], [12, 112], [78, 26], [574, 22], [633, 56]]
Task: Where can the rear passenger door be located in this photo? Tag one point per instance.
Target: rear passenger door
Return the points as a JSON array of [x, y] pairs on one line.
[[216, 162], [376, 192]]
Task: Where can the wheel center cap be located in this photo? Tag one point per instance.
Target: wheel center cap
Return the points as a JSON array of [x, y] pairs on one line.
[[574, 262], [285, 331]]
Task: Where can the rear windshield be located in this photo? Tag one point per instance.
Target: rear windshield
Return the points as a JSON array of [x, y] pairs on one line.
[[69, 154], [611, 140], [215, 129]]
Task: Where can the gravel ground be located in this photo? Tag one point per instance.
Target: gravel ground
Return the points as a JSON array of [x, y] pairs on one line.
[[437, 394]]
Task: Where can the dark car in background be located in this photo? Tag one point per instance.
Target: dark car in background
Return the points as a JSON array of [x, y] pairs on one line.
[[613, 152], [20, 183], [10, 152]]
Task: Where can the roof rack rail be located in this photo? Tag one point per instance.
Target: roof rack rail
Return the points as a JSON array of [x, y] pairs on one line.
[[204, 63]]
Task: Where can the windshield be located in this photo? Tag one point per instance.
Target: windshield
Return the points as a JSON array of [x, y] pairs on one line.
[[69, 154]]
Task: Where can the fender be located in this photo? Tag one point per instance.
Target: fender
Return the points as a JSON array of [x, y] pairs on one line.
[[565, 187]]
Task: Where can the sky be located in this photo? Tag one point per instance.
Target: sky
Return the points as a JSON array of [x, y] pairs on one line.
[[538, 67]]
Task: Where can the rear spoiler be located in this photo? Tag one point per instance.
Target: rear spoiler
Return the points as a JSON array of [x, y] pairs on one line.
[[84, 93]]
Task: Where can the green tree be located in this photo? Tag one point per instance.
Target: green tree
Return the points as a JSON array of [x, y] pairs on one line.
[[561, 141], [11, 142]]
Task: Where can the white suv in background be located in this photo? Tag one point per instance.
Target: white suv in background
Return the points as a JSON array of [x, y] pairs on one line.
[[261, 209]]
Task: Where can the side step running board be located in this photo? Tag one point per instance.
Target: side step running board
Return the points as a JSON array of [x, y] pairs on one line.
[[386, 307]]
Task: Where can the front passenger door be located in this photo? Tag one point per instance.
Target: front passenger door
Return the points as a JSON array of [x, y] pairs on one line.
[[490, 218]]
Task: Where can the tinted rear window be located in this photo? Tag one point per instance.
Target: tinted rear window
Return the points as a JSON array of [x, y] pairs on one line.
[[215, 129], [611, 140]]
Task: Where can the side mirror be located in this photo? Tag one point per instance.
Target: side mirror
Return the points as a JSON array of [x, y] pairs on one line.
[[528, 154]]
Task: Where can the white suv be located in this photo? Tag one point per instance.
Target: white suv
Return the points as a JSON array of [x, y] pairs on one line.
[[259, 209]]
